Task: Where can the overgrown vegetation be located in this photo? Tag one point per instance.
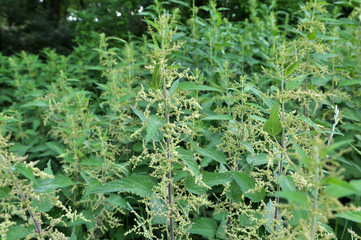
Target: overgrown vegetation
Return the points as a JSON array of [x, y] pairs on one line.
[[204, 129]]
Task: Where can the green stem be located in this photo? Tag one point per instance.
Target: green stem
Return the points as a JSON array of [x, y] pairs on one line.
[[280, 171]]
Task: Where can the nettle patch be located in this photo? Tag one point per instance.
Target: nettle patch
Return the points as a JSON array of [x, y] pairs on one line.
[[200, 130]]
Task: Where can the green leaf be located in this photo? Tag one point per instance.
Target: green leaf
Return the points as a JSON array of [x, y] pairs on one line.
[[141, 185], [193, 187], [48, 169], [354, 216], [187, 157], [73, 236], [312, 35], [215, 178], [36, 103], [205, 227], [4, 192], [96, 187], [19, 148], [214, 154], [295, 83], [290, 69], [51, 184], [138, 113], [173, 88], [159, 210], [293, 196], [219, 117], [17, 232], [43, 205], [248, 146], [273, 124], [339, 188], [138, 184], [301, 154], [25, 171], [258, 159], [156, 77], [193, 87], [351, 115], [269, 213], [235, 192], [286, 182], [117, 200], [246, 183], [56, 147], [153, 125], [309, 122], [349, 82], [258, 118]]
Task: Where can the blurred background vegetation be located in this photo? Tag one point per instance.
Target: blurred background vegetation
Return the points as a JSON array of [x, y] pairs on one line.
[[60, 24]]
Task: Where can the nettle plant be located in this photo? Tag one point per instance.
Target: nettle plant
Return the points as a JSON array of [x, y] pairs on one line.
[[167, 119], [261, 153], [30, 204]]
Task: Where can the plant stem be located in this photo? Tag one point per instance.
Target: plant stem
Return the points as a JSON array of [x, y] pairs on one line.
[[23, 199], [305, 86], [315, 203], [169, 173], [280, 171]]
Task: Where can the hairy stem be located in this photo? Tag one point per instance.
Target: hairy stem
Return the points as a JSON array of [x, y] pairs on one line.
[[280, 171], [169, 173], [23, 199], [315, 202]]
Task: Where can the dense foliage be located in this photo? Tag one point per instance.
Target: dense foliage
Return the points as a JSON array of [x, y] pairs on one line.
[[205, 127]]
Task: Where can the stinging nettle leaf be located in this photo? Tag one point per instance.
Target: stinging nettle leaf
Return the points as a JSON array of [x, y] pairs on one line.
[[4, 192], [214, 154], [258, 159], [246, 183], [138, 113], [215, 178], [193, 87], [153, 132], [292, 68], [187, 157], [206, 227], [312, 35], [141, 185], [219, 117], [156, 77], [354, 216], [51, 184], [173, 88], [273, 124], [294, 196]]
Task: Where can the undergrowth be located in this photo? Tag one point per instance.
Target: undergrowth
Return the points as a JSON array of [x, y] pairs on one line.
[[200, 129]]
